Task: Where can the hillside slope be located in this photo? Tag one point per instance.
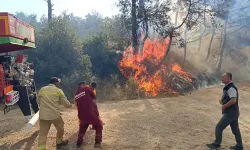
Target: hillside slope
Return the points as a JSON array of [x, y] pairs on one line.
[[185, 123]]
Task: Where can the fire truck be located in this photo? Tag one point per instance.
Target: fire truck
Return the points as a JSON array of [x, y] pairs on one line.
[[17, 85]]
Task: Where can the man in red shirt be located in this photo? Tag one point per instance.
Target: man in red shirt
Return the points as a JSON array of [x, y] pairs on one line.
[[87, 113]]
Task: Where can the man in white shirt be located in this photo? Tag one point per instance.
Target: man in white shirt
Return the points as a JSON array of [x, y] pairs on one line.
[[230, 111]]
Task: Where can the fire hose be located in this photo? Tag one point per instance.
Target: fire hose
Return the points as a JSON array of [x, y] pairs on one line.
[[33, 121]]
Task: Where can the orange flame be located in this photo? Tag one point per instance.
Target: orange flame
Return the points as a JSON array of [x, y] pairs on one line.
[[177, 68], [145, 67]]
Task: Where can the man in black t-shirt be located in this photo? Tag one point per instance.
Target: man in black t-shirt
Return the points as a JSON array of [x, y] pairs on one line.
[[230, 111]]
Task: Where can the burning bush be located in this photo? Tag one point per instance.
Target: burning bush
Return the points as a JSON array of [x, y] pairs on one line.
[[151, 75], [141, 67]]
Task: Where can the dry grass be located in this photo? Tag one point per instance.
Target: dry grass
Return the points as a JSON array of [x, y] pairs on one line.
[[183, 123]]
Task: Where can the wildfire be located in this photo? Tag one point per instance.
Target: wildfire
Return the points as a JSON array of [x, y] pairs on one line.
[[177, 68], [146, 69]]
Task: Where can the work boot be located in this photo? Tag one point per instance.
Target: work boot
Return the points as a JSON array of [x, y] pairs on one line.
[[78, 145], [97, 144], [213, 146], [236, 147], [64, 143]]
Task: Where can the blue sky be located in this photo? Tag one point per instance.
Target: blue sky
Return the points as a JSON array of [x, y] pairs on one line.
[[78, 7]]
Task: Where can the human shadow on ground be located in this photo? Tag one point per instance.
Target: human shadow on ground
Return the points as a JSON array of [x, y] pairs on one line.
[[28, 142], [88, 141]]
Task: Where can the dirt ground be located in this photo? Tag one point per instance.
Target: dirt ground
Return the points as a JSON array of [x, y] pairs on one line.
[[179, 123]]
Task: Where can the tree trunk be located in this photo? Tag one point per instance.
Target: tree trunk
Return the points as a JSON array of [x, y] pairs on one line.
[[49, 10], [134, 26], [185, 46], [199, 47], [210, 43], [145, 21], [222, 48], [144, 26], [177, 12], [171, 32], [204, 22]]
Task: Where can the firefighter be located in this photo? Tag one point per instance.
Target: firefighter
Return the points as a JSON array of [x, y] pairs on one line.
[[87, 113], [80, 85], [49, 99]]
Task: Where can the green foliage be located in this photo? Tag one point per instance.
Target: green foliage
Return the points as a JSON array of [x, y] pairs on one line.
[[117, 37], [84, 49], [104, 62], [156, 13], [59, 53], [70, 82], [88, 26], [60, 49]]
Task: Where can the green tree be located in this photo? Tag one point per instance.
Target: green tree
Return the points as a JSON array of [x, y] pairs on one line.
[[88, 26], [143, 13], [104, 62], [59, 53], [117, 37]]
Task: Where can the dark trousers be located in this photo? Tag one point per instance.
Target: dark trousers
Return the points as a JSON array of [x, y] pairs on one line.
[[226, 120], [83, 128]]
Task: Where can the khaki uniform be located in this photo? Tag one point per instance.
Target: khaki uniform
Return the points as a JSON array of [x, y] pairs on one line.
[[49, 99]]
